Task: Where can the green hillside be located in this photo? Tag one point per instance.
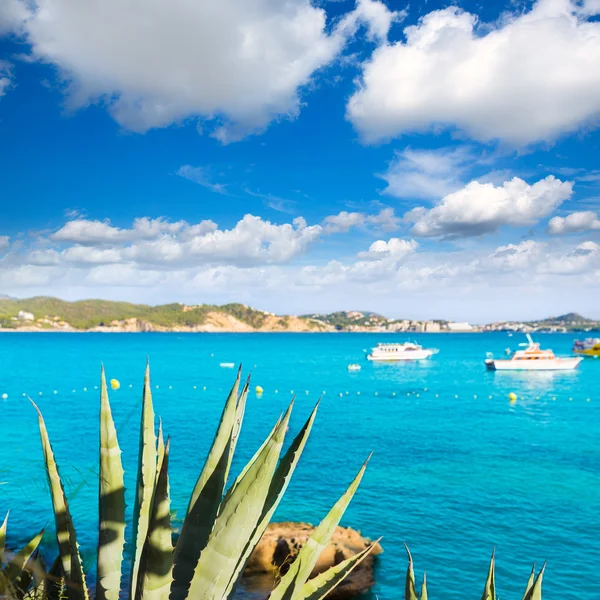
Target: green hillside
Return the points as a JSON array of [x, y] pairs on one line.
[[343, 319], [85, 314]]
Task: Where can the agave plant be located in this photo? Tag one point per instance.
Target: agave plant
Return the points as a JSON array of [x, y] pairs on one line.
[[220, 529], [533, 590], [17, 571]]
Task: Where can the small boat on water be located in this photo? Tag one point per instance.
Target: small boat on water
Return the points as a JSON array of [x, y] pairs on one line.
[[227, 365], [532, 358], [589, 347], [397, 352], [354, 367]]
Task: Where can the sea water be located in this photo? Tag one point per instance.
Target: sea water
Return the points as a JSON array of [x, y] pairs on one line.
[[457, 470]]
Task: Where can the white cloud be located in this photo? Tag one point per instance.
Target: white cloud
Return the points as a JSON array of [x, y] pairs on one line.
[[480, 208], [162, 244], [514, 257], [531, 77], [576, 222], [4, 242], [239, 62], [201, 176], [394, 248], [384, 220], [6, 77], [86, 232], [343, 221], [584, 258], [426, 173], [12, 15]]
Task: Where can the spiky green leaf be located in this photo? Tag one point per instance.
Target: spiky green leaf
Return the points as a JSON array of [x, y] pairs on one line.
[[290, 586], [535, 592], [410, 590], [529, 582], [3, 537], [489, 592], [156, 566], [146, 479], [65, 530], [14, 580], [318, 587], [424, 588], [239, 515], [111, 534], [281, 479], [206, 498]]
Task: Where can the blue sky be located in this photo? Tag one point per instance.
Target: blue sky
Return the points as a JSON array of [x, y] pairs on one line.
[[430, 161]]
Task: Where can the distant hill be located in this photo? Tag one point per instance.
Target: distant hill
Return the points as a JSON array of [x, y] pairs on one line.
[[53, 313], [344, 320], [570, 321]]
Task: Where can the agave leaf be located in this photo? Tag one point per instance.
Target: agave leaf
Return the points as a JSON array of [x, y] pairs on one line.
[[291, 584], [21, 584], [535, 592], [146, 480], [11, 575], [318, 587], [410, 590], [205, 500], [238, 518], [489, 592], [111, 534], [160, 449], [281, 479], [65, 531], [3, 537], [529, 582], [237, 425], [424, 587], [52, 587], [157, 559]]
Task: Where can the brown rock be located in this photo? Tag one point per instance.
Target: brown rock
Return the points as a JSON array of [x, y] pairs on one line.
[[280, 545]]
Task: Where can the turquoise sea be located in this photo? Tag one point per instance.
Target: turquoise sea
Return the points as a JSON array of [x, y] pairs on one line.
[[454, 472]]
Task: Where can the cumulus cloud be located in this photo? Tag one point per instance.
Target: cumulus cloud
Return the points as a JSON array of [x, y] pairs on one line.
[[394, 248], [87, 232], [481, 208], [343, 221], [238, 62], [576, 222], [4, 242], [164, 244], [531, 77]]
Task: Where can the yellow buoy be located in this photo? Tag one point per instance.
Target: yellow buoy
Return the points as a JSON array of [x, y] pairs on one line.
[[512, 397], [259, 389], [114, 384]]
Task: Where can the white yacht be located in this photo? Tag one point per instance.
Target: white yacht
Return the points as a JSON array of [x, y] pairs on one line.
[[532, 358], [396, 352]]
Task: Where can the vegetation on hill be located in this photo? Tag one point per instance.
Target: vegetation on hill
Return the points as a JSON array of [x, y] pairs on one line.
[[86, 314], [347, 319], [571, 321]]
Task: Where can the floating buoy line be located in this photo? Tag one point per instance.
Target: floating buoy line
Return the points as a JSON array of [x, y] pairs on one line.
[[513, 397]]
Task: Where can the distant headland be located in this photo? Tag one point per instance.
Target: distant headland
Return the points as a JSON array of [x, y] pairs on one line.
[[43, 313]]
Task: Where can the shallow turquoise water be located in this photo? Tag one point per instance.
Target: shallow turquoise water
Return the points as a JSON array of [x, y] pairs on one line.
[[452, 477]]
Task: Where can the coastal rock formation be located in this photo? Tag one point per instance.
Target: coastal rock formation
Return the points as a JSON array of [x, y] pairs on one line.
[[280, 545]]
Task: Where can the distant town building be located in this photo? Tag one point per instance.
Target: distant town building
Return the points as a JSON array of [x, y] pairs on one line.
[[432, 327], [456, 327], [25, 316]]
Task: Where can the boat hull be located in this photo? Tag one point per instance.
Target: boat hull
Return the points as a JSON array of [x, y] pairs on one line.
[[558, 364], [412, 355], [588, 353]]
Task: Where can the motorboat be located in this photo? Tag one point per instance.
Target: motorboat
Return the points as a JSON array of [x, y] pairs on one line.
[[397, 352], [589, 347], [354, 367], [532, 358]]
